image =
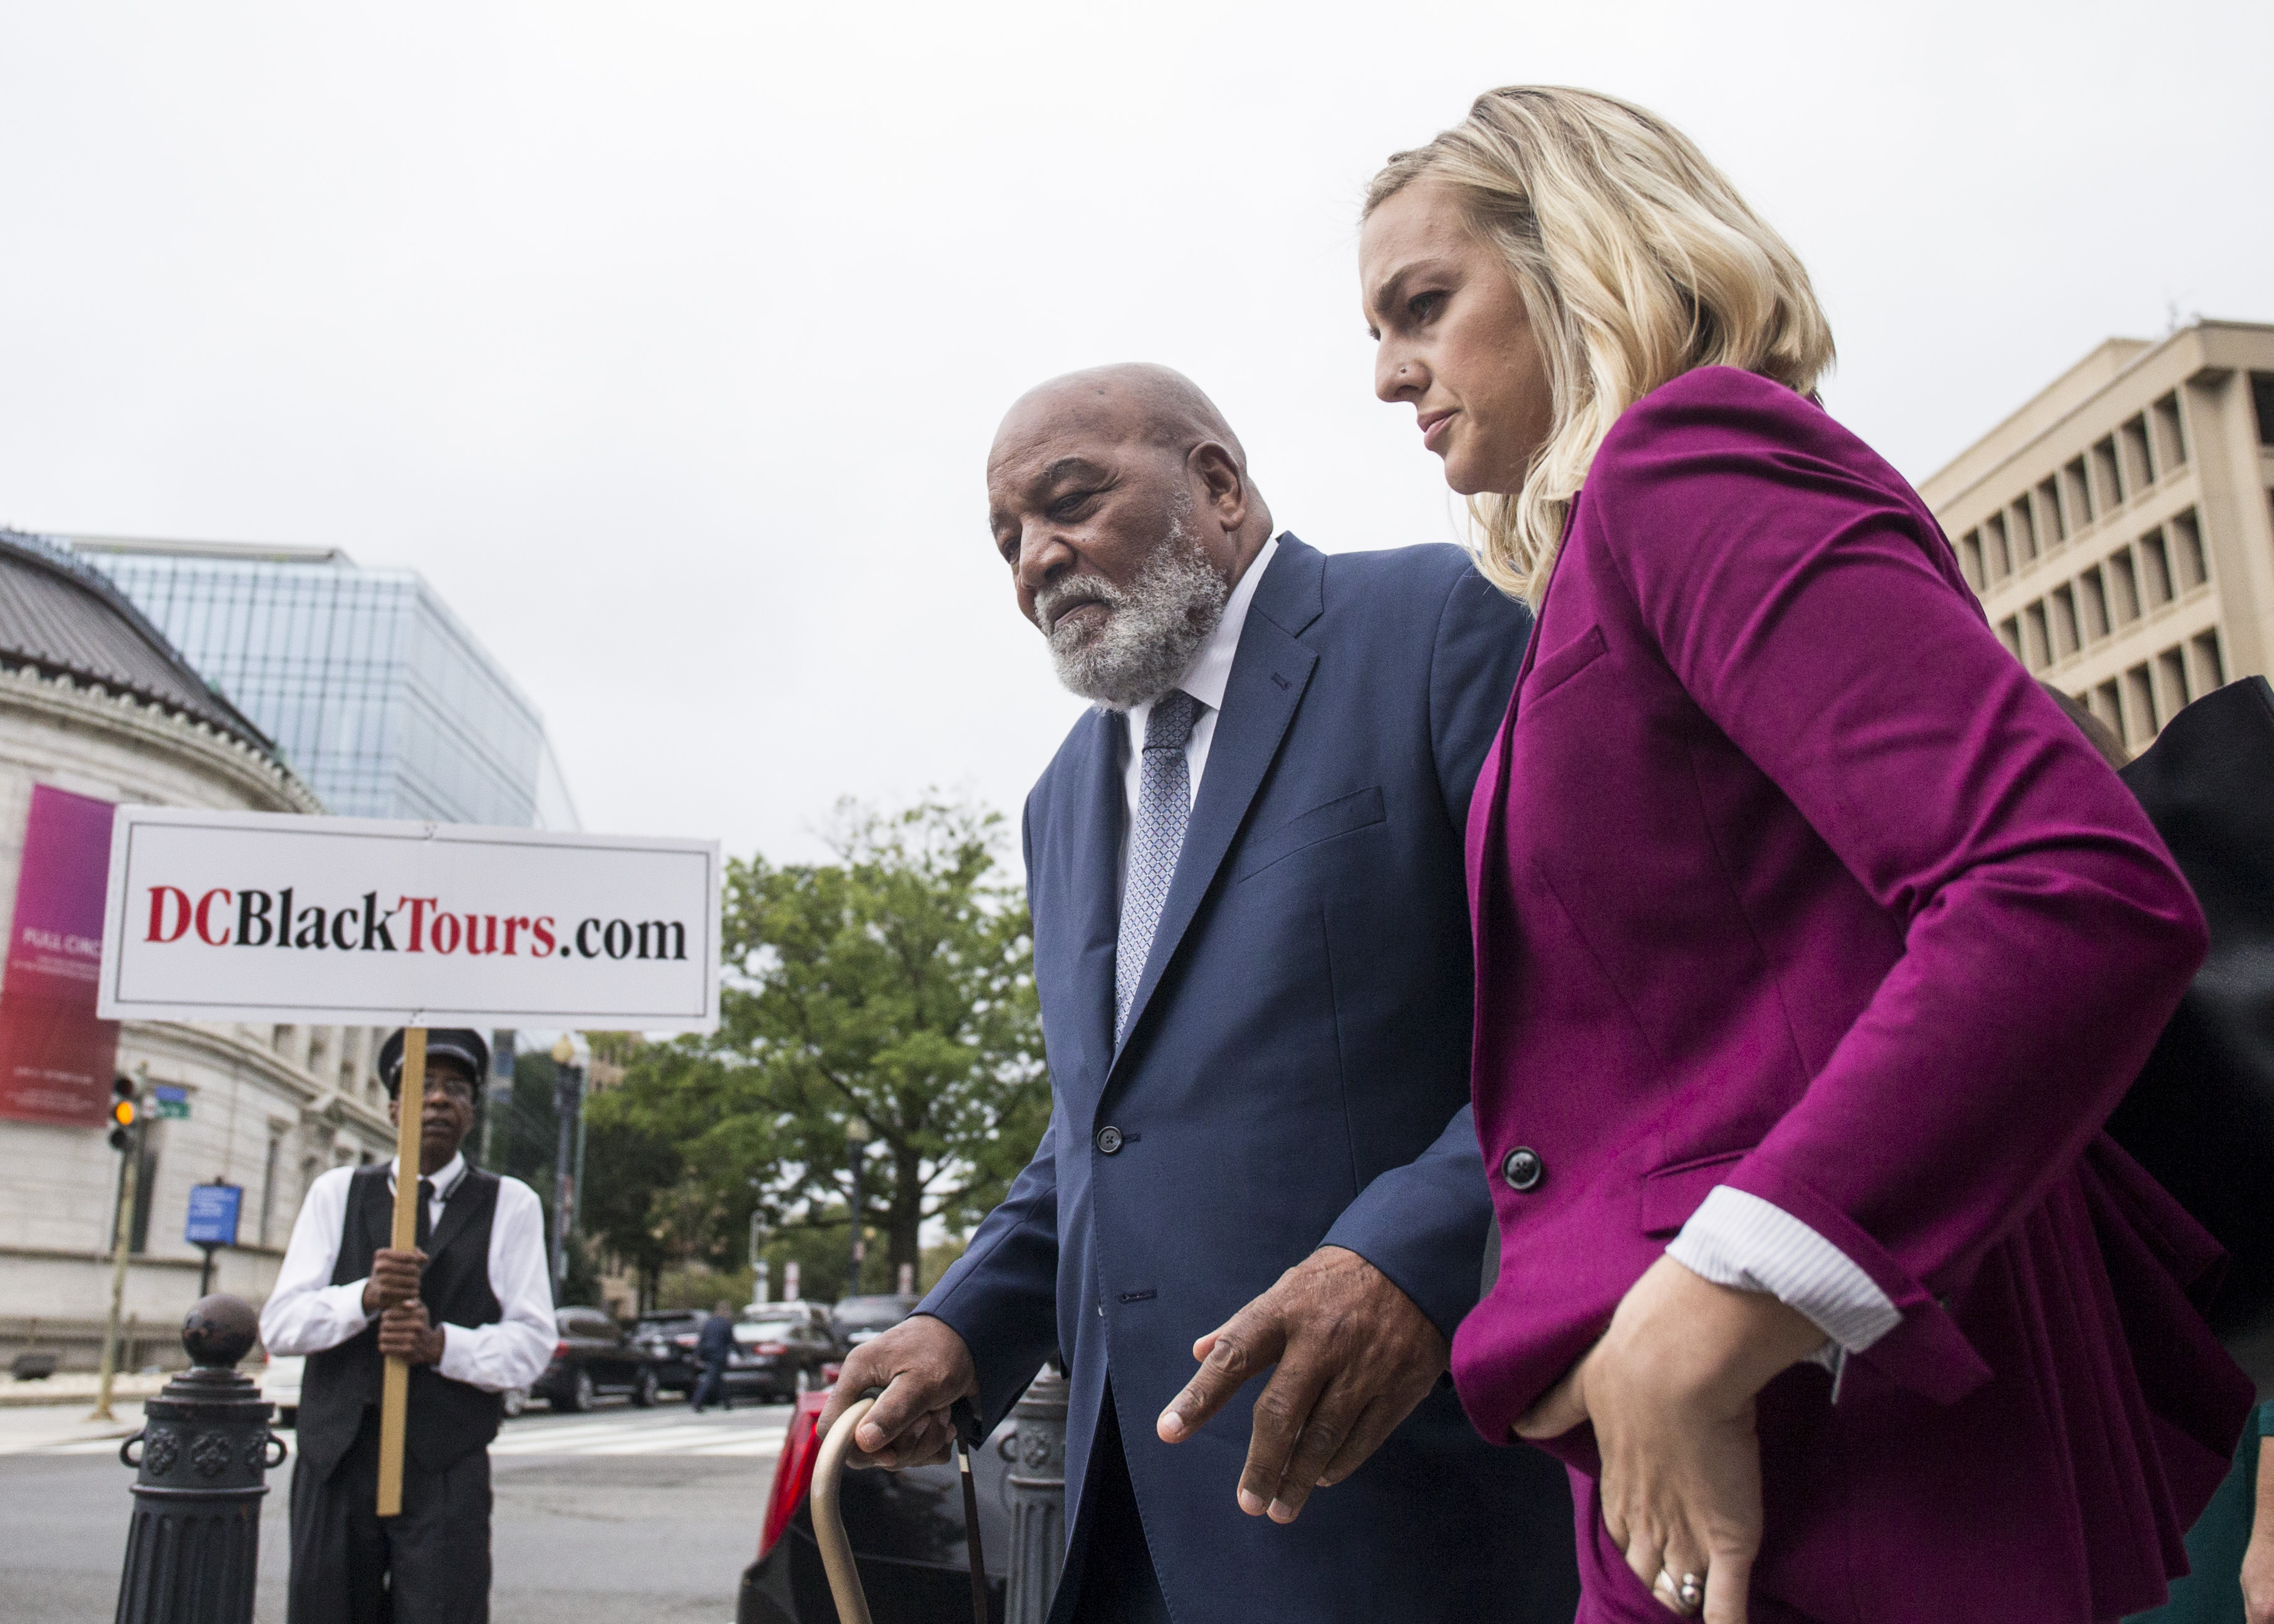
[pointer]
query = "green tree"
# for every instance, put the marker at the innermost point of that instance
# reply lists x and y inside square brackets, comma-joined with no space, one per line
[893,986]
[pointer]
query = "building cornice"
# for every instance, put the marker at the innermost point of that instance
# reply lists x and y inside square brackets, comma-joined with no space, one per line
[267,785]
[222,1046]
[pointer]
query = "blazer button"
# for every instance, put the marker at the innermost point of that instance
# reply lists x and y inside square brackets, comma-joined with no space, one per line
[1522,1168]
[1109,1141]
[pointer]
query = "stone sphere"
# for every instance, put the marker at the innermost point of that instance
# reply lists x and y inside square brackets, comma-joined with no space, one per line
[220,1330]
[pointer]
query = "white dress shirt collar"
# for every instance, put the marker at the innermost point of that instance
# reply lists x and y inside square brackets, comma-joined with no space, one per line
[444,1178]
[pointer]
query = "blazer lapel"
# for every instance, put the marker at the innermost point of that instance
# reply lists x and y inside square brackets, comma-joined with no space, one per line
[1268,676]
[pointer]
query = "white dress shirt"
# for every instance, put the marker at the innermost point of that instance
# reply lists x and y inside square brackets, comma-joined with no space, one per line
[307,1313]
[1734,1239]
[1204,680]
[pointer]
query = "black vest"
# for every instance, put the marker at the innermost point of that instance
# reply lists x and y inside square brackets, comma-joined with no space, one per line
[448,1420]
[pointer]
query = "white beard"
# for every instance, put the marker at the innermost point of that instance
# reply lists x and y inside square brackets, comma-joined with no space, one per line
[1155,628]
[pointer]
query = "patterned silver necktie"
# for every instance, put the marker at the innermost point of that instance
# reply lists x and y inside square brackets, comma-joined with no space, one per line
[1164,802]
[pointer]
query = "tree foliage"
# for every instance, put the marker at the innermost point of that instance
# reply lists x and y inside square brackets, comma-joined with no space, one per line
[893,987]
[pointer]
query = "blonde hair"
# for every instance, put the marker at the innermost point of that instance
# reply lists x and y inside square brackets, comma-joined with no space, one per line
[1637,260]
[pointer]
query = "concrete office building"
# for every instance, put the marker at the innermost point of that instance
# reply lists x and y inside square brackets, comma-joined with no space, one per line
[2120,527]
[375,693]
[95,704]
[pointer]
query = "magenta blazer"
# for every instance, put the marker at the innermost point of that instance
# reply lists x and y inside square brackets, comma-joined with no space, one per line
[1786,876]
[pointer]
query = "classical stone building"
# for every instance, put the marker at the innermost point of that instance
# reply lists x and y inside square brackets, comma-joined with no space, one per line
[95,701]
[2120,527]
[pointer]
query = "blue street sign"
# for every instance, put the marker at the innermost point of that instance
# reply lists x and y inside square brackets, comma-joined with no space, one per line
[213,1215]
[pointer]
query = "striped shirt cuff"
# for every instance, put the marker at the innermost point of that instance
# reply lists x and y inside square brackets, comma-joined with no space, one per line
[1736,1239]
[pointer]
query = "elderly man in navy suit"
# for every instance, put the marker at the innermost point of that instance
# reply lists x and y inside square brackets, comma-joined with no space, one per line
[1252,945]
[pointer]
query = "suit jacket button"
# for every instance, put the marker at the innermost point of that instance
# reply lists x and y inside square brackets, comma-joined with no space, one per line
[1522,1168]
[1109,1141]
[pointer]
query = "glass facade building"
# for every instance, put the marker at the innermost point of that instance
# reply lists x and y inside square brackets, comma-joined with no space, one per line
[377,695]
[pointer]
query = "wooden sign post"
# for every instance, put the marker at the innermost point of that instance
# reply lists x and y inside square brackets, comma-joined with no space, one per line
[412,925]
[394,1390]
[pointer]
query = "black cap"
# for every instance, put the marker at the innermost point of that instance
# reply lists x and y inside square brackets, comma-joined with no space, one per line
[467,1047]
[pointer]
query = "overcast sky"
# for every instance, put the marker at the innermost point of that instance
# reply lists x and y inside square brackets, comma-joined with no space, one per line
[666,339]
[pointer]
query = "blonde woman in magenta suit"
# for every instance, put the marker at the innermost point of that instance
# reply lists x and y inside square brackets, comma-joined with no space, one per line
[1813,945]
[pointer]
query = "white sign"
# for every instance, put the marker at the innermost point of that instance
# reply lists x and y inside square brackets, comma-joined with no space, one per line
[268,916]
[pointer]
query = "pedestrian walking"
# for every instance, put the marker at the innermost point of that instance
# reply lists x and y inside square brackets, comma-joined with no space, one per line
[714,1345]
[1814,945]
[1258,1198]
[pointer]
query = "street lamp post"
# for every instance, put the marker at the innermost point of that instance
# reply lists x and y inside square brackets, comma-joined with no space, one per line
[856,1144]
[568,1104]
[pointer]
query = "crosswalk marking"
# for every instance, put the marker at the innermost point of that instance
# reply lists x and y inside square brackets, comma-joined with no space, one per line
[636,1434]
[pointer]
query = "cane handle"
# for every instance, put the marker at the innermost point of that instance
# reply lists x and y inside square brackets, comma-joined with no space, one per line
[829,1526]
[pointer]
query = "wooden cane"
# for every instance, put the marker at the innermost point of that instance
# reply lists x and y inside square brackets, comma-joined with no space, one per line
[829,1523]
[395,1393]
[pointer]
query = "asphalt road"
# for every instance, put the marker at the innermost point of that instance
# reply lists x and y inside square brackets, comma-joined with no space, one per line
[618,1514]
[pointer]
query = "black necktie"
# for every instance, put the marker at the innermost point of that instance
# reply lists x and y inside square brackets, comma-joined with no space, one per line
[426,1212]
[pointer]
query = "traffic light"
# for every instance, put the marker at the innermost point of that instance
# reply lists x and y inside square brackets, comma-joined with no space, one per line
[122,1110]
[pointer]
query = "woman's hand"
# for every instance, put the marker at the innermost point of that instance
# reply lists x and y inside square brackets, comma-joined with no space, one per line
[1670,1389]
[2258,1557]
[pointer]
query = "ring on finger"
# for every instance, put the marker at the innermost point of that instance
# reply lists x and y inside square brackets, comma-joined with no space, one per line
[1688,1592]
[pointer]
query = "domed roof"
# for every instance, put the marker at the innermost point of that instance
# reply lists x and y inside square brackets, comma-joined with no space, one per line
[63,618]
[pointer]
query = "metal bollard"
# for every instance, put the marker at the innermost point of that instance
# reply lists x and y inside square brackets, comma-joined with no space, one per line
[1036,1451]
[193,1547]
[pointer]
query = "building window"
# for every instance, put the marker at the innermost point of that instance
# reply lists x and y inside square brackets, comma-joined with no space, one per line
[2171,681]
[2156,567]
[2187,560]
[2171,435]
[2139,462]
[2063,606]
[268,1187]
[2025,529]
[2078,489]
[1969,559]
[2107,475]
[2107,704]
[2049,509]
[2001,551]
[2209,663]
[2010,633]
[2037,651]
[2123,588]
[2261,398]
[2140,722]
[2093,605]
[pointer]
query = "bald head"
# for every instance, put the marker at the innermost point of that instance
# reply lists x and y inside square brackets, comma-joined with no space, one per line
[1135,401]
[1119,497]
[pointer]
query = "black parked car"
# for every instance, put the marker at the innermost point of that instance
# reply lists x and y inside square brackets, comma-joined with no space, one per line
[594,1357]
[906,1529]
[778,1358]
[668,1336]
[857,1318]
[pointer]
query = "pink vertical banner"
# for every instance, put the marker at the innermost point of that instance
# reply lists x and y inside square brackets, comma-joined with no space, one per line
[55,1057]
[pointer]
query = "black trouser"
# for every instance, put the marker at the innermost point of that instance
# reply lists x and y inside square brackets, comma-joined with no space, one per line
[712,1387]
[1119,1585]
[429,1566]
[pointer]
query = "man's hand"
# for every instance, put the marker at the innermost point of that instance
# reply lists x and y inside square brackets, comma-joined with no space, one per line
[923,1366]
[394,1279]
[1354,1357]
[403,1333]
[1670,1390]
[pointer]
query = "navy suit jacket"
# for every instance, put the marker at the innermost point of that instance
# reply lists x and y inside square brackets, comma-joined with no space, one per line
[1295,1073]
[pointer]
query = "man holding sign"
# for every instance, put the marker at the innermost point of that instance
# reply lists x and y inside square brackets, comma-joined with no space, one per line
[470,1310]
